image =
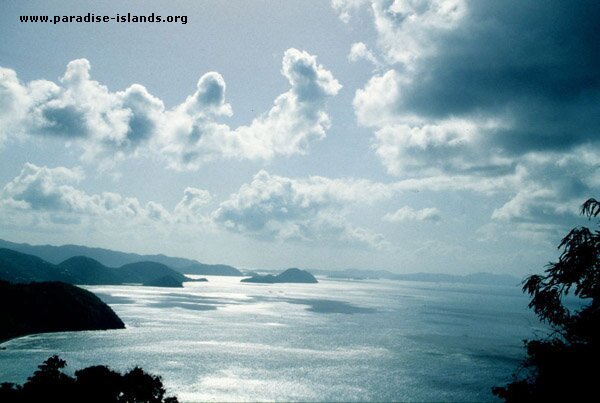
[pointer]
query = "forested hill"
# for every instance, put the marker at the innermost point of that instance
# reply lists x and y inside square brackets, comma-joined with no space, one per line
[112,258]
[51,307]
[18,267]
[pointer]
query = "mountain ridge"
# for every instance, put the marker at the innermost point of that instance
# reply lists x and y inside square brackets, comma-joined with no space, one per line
[112,258]
[17,267]
[190,266]
[293,275]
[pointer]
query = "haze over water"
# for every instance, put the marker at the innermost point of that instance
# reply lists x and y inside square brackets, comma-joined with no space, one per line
[338,340]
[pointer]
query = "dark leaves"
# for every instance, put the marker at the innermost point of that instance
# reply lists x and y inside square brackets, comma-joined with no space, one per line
[577,269]
[591,208]
[560,366]
[96,384]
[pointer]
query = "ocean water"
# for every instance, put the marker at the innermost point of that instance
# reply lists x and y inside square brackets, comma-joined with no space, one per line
[339,340]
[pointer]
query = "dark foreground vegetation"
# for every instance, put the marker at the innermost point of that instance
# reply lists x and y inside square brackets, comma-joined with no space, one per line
[97,384]
[562,367]
[51,307]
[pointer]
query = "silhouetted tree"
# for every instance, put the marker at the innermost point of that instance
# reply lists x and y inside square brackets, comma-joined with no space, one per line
[9,392]
[99,383]
[96,384]
[49,382]
[562,366]
[139,386]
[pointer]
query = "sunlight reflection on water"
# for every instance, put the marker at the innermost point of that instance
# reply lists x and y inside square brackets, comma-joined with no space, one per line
[336,340]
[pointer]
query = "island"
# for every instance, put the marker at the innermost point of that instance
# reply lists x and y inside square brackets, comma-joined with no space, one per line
[210,270]
[289,276]
[17,267]
[51,307]
[112,258]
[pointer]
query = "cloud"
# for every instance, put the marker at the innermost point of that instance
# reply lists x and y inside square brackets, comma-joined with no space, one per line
[52,191]
[345,8]
[533,75]
[309,210]
[267,198]
[551,189]
[407,213]
[488,186]
[305,210]
[41,188]
[486,91]
[296,119]
[360,51]
[408,30]
[112,125]
[191,206]
[106,124]
[48,198]
[448,147]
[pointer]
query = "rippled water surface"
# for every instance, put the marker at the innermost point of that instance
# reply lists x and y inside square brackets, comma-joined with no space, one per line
[336,340]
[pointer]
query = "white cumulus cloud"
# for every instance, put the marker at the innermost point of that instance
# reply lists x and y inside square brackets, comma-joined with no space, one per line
[307,210]
[53,191]
[360,51]
[345,8]
[112,125]
[407,213]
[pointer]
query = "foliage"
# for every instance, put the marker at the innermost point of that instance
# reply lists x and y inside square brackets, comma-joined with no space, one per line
[561,367]
[96,384]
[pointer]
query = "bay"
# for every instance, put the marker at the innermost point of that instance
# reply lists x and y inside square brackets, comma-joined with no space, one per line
[338,340]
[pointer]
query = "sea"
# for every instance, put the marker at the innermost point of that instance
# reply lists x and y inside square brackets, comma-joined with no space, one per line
[338,340]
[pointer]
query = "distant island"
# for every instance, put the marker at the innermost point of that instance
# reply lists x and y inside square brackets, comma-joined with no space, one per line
[51,307]
[18,267]
[472,278]
[289,276]
[111,258]
[210,270]
[57,255]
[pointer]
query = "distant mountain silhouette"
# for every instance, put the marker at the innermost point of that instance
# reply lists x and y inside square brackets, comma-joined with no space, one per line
[143,272]
[51,307]
[111,258]
[269,278]
[210,270]
[18,267]
[289,276]
[474,278]
[85,270]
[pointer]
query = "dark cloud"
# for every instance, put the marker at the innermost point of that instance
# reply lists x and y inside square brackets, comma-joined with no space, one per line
[503,90]
[533,63]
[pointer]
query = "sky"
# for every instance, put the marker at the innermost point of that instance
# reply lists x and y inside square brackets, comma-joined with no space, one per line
[451,136]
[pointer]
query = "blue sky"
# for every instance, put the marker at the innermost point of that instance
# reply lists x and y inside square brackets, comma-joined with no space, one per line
[419,135]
